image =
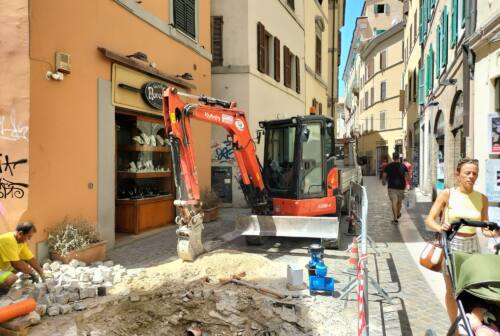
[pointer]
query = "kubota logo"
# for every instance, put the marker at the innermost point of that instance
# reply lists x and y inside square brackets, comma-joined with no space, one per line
[212,116]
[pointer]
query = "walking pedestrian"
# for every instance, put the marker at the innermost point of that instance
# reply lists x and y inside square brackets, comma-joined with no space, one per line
[454,204]
[409,167]
[395,174]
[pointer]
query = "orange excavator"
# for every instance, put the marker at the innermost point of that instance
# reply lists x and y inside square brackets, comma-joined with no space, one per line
[293,193]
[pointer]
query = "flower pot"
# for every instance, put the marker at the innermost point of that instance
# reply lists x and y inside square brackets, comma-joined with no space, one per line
[210,214]
[89,254]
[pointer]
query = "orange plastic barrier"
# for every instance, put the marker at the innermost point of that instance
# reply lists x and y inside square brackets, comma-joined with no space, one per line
[17,309]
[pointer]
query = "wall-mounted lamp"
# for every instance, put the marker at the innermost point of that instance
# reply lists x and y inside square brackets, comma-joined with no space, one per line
[448,82]
[139,55]
[186,76]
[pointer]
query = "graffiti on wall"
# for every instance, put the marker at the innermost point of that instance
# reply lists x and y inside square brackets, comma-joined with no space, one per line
[11,129]
[222,152]
[9,188]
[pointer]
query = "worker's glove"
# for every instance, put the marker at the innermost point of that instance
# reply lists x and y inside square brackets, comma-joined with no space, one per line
[34,277]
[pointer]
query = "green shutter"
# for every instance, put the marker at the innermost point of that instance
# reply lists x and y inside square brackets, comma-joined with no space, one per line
[464,13]
[431,68]
[454,23]
[426,84]
[438,51]
[424,20]
[421,72]
[444,44]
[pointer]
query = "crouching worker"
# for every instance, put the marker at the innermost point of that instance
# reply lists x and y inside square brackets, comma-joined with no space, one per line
[15,256]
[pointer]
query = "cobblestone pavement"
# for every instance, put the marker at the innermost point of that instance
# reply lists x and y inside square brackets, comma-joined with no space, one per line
[414,307]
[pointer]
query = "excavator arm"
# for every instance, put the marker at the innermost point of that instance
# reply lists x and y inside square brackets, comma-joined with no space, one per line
[177,116]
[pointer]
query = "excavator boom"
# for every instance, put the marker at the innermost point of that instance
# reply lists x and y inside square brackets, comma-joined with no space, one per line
[177,116]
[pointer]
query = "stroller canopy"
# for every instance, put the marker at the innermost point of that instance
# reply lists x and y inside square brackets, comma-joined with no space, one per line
[477,274]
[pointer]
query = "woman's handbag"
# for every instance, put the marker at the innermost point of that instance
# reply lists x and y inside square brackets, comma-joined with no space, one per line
[432,256]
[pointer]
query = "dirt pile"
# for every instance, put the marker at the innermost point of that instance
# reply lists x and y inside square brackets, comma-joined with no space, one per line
[171,298]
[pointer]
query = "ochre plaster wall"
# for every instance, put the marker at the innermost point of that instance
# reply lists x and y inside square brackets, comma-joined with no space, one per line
[14,111]
[63,145]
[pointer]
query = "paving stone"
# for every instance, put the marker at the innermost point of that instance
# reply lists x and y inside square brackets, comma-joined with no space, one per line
[66,309]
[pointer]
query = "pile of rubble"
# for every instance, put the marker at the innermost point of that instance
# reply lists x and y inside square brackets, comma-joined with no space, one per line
[68,285]
[172,298]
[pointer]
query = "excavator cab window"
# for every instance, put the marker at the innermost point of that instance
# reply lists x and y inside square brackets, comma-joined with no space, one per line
[311,179]
[280,158]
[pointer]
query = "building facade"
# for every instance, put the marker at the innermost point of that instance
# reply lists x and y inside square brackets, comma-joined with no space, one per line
[373,82]
[380,117]
[259,63]
[93,84]
[316,61]
[484,42]
[412,51]
[336,19]
[444,91]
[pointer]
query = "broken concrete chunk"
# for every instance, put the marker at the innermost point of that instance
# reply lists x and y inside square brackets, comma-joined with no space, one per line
[53,310]
[41,309]
[98,277]
[109,263]
[65,309]
[15,293]
[75,296]
[135,298]
[79,306]
[61,299]
[55,266]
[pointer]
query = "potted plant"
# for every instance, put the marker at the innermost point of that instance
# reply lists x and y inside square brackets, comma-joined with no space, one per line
[210,205]
[75,239]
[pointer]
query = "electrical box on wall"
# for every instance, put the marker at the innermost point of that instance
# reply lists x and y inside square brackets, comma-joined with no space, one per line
[63,62]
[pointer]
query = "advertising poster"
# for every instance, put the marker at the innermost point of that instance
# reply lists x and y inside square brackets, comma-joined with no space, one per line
[494,132]
[493,178]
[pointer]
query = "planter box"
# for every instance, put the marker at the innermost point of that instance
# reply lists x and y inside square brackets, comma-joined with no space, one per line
[89,254]
[210,214]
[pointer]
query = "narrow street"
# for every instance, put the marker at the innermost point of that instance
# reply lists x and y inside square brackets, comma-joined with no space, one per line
[414,307]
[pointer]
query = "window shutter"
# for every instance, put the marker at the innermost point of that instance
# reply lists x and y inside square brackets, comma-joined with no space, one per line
[464,13]
[421,27]
[261,50]
[444,44]
[217,23]
[190,17]
[454,23]
[277,55]
[297,77]
[383,60]
[387,9]
[438,51]
[375,9]
[320,108]
[431,68]
[424,20]
[180,14]
[421,72]
[383,90]
[318,55]
[372,95]
[286,67]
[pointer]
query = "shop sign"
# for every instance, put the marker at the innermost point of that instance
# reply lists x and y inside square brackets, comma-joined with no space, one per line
[493,178]
[494,133]
[152,93]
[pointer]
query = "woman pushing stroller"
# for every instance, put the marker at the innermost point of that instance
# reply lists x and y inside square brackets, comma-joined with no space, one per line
[462,202]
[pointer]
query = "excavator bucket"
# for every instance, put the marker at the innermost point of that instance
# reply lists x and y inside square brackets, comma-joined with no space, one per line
[288,226]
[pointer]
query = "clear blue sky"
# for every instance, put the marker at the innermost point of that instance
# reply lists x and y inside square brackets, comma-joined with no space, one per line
[352,11]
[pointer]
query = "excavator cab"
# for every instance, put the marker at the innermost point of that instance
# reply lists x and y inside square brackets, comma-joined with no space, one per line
[298,155]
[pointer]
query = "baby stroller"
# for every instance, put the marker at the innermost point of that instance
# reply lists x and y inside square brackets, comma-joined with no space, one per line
[475,279]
